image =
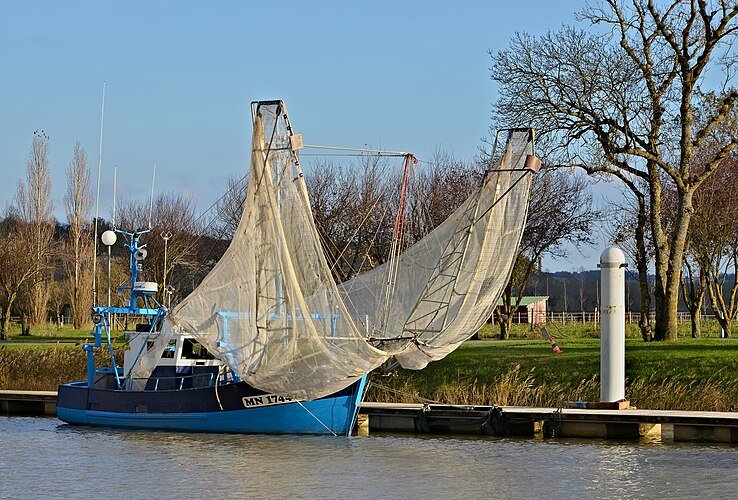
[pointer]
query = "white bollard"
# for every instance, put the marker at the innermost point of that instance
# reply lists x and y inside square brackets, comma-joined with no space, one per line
[612,325]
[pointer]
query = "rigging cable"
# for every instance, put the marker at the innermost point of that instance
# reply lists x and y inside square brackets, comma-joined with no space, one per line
[316,418]
[379,152]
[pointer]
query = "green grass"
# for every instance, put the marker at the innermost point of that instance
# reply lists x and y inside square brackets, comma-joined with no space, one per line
[691,374]
[694,374]
[50,333]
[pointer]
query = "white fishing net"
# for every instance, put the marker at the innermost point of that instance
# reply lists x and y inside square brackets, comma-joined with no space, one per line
[272,311]
[448,284]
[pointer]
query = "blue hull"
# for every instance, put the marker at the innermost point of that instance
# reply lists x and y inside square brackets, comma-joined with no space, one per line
[329,415]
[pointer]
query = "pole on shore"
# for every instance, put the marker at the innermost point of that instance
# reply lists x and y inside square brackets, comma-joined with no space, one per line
[612,330]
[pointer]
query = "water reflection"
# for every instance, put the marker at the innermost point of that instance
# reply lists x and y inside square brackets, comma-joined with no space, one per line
[44,458]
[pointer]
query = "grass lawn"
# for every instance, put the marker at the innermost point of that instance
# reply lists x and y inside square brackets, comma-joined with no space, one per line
[690,374]
[52,334]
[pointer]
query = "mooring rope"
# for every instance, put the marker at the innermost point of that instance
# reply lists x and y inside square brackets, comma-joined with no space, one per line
[415,396]
[316,418]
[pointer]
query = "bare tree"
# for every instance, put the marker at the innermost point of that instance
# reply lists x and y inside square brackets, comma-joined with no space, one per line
[77,259]
[353,210]
[623,102]
[694,287]
[35,210]
[560,213]
[629,229]
[713,243]
[173,216]
[17,267]
[229,207]
[582,289]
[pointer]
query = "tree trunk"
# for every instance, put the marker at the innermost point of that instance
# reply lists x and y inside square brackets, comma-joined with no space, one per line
[725,324]
[667,300]
[25,329]
[696,323]
[5,321]
[504,328]
[644,320]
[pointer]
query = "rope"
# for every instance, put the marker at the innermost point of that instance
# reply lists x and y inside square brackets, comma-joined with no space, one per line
[217,381]
[316,418]
[415,396]
[379,152]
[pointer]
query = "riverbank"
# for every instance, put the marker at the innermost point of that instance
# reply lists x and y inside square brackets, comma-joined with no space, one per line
[691,374]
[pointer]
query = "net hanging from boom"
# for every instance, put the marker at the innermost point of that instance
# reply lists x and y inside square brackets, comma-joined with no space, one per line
[272,311]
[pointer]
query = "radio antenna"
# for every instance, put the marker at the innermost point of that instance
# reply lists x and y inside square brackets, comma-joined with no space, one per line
[97,202]
[115,182]
[151,200]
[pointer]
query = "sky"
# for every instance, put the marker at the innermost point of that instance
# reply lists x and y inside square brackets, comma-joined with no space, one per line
[179,78]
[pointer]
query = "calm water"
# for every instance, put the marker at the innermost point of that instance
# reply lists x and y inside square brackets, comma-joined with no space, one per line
[41,457]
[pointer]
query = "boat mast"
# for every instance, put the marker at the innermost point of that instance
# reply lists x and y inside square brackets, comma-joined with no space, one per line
[97,202]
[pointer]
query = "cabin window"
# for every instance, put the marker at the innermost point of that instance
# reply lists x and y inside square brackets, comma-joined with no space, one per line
[192,349]
[168,350]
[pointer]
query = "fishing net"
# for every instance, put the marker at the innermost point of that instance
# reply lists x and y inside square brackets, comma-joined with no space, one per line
[271,310]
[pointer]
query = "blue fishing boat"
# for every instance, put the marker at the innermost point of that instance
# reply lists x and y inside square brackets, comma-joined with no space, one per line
[268,342]
[189,389]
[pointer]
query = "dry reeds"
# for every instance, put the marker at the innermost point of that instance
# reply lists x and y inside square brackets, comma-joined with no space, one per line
[517,388]
[42,369]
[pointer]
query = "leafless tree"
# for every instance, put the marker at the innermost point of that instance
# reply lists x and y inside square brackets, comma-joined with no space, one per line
[622,101]
[628,228]
[173,215]
[78,252]
[442,184]
[694,287]
[35,210]
[230,207]
[560,214]
[17,269]
[713,244]
[353,213]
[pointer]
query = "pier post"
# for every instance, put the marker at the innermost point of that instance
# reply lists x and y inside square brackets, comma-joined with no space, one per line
[612,329]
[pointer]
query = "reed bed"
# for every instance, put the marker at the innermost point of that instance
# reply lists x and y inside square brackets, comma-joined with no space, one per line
[519,388]
[43,368]
[689,375]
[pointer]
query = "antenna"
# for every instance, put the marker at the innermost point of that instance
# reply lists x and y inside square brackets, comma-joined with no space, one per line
[97,202]
[115,182]
[151,200]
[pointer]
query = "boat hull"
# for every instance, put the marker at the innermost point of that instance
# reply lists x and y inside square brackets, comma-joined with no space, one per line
[235,407]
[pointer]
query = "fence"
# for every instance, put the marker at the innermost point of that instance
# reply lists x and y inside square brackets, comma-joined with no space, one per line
[594,317]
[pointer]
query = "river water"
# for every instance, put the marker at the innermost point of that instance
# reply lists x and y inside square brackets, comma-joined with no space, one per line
[44,458]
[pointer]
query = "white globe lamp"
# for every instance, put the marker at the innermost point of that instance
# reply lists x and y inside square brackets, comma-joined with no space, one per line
[109,238]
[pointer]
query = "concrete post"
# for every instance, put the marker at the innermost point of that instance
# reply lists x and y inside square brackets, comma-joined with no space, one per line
[612,329]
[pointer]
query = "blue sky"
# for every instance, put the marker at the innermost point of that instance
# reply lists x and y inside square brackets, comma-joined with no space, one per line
[411,76]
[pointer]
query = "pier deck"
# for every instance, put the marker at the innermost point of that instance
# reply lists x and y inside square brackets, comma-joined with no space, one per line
[701,426]
[36,403]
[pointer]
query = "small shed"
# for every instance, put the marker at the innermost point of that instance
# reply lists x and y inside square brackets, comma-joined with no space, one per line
[532,309]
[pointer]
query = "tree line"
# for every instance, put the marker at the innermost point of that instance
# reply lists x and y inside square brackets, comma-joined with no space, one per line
[46,266]
[643,94]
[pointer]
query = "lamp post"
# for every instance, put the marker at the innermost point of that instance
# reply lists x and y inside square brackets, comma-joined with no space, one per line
[109,238]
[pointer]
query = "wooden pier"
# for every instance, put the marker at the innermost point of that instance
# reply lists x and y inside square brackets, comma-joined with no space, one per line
[35,403]
[701,426]
[630,424]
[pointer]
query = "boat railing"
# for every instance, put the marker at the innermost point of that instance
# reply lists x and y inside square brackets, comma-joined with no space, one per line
[180,381]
